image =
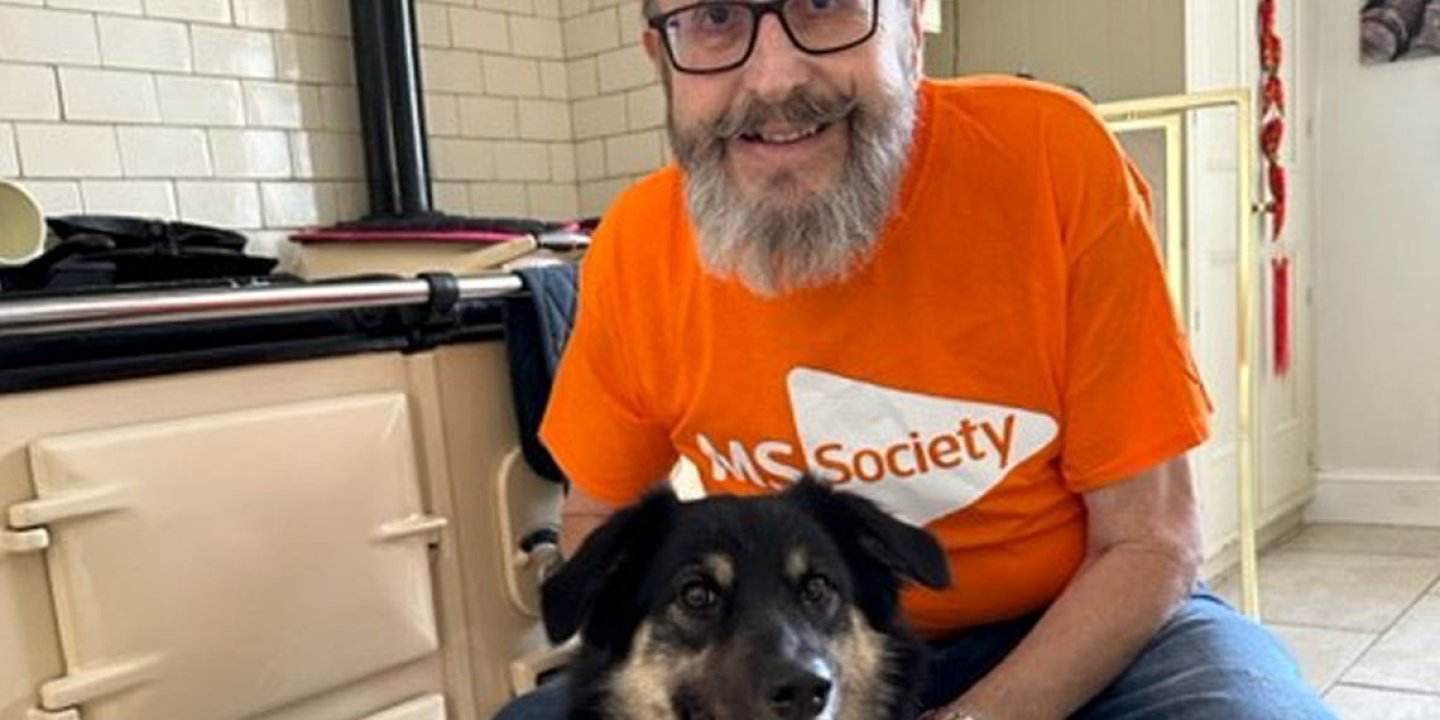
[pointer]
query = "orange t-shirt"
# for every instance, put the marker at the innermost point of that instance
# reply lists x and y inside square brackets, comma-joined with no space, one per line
[1010,345]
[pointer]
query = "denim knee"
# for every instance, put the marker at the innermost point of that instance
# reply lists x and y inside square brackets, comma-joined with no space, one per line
[547,702]
[1209,662]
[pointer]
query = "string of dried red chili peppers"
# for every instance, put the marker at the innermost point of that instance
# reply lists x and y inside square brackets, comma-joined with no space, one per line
[1272,136]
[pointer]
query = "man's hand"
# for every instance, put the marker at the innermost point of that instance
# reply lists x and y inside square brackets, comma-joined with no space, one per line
[1141,559]
[946,713]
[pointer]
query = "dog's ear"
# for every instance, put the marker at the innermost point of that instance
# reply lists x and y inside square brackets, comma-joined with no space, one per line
[568,596]
[908,551]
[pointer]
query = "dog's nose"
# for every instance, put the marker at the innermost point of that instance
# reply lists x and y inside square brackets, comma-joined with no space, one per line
[797,694]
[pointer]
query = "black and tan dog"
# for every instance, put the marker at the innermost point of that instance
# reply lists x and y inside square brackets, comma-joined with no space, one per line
[784,607]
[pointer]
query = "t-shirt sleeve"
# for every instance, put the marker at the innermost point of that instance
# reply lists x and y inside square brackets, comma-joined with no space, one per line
[1132,397]
[597,425]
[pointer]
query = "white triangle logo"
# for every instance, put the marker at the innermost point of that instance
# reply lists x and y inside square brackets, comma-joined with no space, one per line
[919,457]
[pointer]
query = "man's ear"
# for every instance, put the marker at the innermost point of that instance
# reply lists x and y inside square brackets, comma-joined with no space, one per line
[569,596]
[653,50]
[907,551]
[917,30]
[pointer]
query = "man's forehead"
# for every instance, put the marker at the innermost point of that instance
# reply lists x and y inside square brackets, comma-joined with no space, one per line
[661,6]
[656,7]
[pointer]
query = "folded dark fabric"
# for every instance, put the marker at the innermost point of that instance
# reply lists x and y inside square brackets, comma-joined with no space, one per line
[104,250]
[159,235]
[537,326]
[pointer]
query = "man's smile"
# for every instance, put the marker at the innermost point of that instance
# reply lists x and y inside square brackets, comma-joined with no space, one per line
[817,150]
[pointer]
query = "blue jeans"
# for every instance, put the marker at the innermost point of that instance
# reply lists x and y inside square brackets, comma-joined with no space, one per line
[1206,663]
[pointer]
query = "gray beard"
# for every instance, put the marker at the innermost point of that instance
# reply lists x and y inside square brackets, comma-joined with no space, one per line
[788,239]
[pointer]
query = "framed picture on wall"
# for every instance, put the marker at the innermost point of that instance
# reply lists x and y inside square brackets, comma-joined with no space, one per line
[1394,30]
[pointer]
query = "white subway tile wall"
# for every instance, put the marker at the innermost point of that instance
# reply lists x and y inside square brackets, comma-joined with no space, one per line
[479,30]
[48,36]
[225,204]
[216,11]
[617,103]
[31,93]
[292,15]
[590,160]
[487,117]
[250,153]
[537,37]
[281,105]
[504,199]
[233,52]
[522,161]
[512,77]
[9,161]
[162,152]
[73,150]
[197,101]
[109,96]
[243,113]
[553,80]
[132,7]
[452,197]
[56,196]
[295,204]
[143,44]
[129,197]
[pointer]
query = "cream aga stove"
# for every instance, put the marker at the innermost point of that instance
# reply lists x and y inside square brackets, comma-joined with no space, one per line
[298,516]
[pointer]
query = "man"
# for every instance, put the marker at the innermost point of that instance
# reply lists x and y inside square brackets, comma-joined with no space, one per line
[945,297]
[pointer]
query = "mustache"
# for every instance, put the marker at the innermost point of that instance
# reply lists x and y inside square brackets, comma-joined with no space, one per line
[801,107]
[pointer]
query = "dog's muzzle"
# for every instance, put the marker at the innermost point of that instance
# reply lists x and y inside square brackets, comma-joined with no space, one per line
[774,686]
[797,691]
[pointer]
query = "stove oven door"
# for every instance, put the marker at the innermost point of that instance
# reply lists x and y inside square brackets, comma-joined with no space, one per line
[220,566]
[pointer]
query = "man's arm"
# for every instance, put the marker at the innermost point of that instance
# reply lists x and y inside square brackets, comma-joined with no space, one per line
[581,514]
[1141,560]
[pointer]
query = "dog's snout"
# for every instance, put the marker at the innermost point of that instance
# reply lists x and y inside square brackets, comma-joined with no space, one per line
[798,693]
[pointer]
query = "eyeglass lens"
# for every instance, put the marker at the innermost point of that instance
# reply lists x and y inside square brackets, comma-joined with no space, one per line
[714,35]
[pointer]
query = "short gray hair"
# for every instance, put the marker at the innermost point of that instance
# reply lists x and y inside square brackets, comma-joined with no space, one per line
[650,8]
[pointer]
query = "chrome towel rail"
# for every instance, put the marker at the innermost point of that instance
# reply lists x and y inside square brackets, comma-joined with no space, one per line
[30,316]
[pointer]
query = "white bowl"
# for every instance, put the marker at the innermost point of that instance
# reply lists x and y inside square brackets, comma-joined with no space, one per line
[22,225]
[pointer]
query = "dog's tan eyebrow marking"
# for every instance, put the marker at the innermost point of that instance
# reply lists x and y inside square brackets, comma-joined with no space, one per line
[721,567]
[797,563]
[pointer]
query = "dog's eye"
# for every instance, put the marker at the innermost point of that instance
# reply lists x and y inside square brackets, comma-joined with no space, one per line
[816,590]
[698,596]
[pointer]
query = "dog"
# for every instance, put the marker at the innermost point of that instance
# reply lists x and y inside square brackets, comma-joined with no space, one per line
[782,607]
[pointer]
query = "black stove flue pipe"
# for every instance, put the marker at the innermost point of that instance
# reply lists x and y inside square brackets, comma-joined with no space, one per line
[392,109]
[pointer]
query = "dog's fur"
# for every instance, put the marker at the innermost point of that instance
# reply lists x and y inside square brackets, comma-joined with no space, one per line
[784,607]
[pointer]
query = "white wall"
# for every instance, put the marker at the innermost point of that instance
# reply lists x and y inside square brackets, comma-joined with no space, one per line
[233,113]
[242,113]
[497,105]
[1114,49]
[559,93]
[1378,282]
[617,101]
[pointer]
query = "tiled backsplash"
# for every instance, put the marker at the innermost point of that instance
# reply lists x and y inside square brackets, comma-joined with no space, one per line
[617,104]
[242,113]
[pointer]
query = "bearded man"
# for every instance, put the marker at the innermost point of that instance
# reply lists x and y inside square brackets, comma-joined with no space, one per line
[945,297]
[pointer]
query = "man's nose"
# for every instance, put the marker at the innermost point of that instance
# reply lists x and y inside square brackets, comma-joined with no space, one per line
[776,66]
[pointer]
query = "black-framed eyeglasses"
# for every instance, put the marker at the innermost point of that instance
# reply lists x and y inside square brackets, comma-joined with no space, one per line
[718,35]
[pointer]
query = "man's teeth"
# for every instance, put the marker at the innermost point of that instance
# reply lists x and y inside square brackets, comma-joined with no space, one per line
[788,137]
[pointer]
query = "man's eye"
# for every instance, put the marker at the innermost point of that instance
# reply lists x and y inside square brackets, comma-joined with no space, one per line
[698,596]
[716,15]
[822,4]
